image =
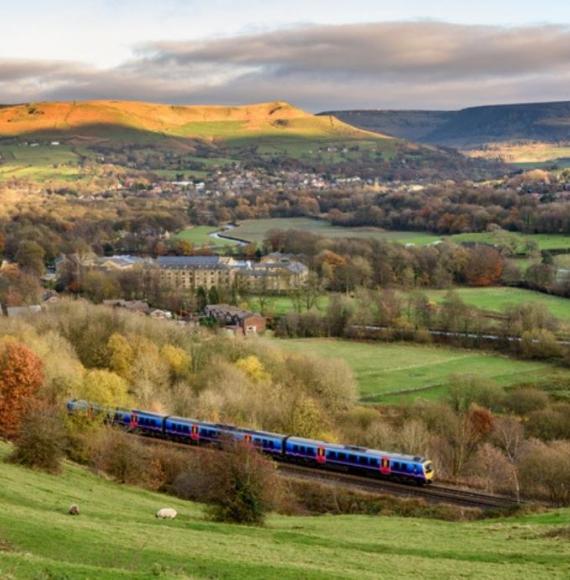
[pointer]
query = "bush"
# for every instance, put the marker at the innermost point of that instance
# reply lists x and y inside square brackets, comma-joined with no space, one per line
[468,389]
[540,344]
[128,460]
[41,441]
[545,471]
[122,456]
[311,498]
[551,423]
[524,401]
[239,484]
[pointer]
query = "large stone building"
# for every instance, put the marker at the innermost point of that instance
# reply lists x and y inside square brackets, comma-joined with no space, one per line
[193,272]
[274,274]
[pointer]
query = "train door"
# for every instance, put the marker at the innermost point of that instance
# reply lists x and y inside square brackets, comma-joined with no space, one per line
[385,466]
[195,433]
[321,455]
[247,439]
[134,422]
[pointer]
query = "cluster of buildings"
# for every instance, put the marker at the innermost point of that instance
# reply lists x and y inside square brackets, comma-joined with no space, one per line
[276,273]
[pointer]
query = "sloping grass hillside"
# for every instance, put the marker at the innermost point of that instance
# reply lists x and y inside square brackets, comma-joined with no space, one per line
[117,536]
[199,122]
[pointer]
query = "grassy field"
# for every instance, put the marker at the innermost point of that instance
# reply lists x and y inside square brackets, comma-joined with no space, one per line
[200,235]
[493,299]
[117,536]
[544,241]
[256,230]
[280,305]
[38,163]
[496,299]
[391,372]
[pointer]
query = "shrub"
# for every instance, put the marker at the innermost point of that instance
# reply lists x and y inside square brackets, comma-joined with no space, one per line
[308,497]
[550,423]
[524,401]
[239,484]
[545,471]
[122,456]
[128,460]
[468,389]
[41,442]
[540,344]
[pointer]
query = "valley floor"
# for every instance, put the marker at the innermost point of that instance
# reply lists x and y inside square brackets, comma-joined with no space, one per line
[117,536]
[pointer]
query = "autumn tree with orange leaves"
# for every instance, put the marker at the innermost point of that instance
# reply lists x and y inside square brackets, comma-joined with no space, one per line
[484,266]
[21,375]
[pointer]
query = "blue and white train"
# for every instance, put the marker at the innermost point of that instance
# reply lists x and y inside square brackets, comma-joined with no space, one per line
[336,457]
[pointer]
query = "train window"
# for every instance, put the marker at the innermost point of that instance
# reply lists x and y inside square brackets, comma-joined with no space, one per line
[295,448]
[363,460]
[311,452]
[342,456]
[332,455]
[352,458]
[374,462]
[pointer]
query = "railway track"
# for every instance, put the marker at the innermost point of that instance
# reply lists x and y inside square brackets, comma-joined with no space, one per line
[434,493]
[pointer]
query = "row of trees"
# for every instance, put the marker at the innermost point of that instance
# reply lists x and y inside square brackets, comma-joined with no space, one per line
[442,207]
[527,330]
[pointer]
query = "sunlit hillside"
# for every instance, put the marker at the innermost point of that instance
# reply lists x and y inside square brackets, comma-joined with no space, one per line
[201,122]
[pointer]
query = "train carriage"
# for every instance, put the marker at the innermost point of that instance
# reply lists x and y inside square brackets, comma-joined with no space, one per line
[371,462]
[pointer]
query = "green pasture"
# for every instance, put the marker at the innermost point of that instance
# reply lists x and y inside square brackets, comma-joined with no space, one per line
[392,372]
[117,537]
[498,298]
[200,236]
[256,231]
[38,163]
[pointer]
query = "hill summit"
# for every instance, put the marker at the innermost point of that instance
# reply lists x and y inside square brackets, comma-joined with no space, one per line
[107,118]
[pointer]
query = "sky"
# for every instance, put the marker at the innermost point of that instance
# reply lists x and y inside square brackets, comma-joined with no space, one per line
[317,54]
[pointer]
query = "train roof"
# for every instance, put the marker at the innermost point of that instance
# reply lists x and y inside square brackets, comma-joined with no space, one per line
[356,449]
[228,427]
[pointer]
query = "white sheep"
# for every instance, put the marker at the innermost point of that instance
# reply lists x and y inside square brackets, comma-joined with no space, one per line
[166,513]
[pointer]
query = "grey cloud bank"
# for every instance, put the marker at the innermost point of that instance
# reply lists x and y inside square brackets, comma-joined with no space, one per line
[375,65]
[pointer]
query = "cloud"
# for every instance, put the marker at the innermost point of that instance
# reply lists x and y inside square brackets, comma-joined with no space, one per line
[380,65]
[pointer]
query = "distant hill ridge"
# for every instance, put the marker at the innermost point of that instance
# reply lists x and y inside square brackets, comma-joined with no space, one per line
[97,118]
[471,127]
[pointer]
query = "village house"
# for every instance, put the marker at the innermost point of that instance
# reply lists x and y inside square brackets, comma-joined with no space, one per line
[239,322]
